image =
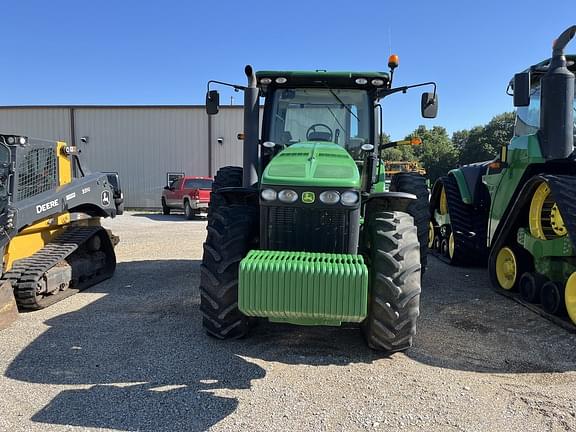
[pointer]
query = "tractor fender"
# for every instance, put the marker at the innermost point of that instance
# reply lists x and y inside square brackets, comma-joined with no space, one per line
[389,201]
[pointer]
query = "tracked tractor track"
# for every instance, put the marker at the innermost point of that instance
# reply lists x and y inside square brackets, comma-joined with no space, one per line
[468,225]
[562,190]
[26,274]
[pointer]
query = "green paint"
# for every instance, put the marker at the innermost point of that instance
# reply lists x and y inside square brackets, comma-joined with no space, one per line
[462,186]
[559,247]
[555,268]
[313,76]
[523,151]
[303,287]
[313,164]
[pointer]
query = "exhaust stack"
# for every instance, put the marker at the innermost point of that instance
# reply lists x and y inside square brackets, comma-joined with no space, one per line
[251,129]
[556,112]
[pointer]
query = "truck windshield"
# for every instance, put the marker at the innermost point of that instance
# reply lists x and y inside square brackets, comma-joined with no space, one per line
[341,116]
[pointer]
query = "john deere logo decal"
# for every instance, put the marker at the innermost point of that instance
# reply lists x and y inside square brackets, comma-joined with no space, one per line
[308,197]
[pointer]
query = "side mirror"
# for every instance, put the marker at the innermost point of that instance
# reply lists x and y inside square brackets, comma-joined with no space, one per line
[522,89]
[212,102]
[429,105]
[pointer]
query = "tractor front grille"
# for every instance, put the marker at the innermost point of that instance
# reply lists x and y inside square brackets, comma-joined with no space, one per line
[309,229]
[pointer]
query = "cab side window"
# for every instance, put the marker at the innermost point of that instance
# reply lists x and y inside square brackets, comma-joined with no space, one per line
[528,118]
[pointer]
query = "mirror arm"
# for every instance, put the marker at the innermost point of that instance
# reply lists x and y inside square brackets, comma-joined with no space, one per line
[236,87]
[387,92]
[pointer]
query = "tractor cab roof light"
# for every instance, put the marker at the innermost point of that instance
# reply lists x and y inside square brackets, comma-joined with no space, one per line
[361,81]
[281,80]
[377,82]
[265,81]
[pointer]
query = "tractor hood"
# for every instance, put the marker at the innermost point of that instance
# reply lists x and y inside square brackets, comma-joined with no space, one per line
[313,164]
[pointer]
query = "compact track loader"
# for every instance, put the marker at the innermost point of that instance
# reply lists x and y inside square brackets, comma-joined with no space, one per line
[518,212]
[50,234]
[306,232]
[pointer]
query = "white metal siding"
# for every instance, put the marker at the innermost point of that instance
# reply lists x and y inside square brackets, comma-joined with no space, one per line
[142,145]
[44,123]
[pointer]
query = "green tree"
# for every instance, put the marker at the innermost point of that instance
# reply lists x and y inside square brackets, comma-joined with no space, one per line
[400,153]
[437,153]
[484,142]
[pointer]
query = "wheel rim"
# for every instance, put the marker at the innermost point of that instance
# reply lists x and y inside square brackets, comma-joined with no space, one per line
[443,202]
[506,268]
[570,297]
[451,245]
[545,220]
[430,235]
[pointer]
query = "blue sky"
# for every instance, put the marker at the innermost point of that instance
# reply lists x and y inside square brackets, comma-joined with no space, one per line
[163,52]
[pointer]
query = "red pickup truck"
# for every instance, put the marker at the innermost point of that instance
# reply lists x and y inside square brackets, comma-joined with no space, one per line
[191,194]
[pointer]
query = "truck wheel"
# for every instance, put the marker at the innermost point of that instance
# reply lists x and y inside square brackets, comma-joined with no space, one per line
[232,232]
[394,297]
[165,208]
[189,213]
[228,176]
[415,183]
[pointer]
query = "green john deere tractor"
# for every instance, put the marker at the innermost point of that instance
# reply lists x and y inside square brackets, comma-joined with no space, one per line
[304,232]
[518,212]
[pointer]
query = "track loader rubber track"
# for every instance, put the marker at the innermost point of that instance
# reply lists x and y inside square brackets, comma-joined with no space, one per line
[468,226]
[26,274]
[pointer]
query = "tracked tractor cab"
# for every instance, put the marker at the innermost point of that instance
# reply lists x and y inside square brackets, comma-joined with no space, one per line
[304,232]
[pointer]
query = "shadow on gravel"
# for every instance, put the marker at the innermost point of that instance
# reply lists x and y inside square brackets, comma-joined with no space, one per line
[168,218]
[464,325]
[140,360]
[137,356]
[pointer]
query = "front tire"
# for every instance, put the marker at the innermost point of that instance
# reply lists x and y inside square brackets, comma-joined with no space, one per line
[232,232]
[394,298]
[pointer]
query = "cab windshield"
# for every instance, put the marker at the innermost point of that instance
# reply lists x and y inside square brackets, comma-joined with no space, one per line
[341,116]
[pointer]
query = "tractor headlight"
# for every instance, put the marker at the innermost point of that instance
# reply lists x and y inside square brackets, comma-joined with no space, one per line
[330,197]
[287,196]
[349,198]
[268,194]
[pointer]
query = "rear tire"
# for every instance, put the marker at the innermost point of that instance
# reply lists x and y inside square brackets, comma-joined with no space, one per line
[189,213]
[394,297]
[228,176]
[232,232]
[415,183]
[165,208]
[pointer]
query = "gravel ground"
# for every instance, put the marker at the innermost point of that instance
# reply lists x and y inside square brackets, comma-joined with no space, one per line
[130,354]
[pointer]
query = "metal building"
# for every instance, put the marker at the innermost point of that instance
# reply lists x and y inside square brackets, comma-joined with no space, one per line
[141,143]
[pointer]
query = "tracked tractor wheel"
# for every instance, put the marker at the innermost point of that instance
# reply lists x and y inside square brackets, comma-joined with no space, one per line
[552,298]
[394,298]
[165,208]
[530,285]
[232,232]
[415,183]
[570,297]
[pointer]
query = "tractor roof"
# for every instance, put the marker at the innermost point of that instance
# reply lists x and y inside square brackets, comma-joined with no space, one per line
[321,78]
[539,69]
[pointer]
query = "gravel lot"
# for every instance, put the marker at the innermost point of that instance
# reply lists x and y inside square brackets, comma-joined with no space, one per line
[130,354]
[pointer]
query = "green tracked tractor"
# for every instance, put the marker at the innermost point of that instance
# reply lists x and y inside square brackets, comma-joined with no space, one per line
[518,212]
[305,232]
